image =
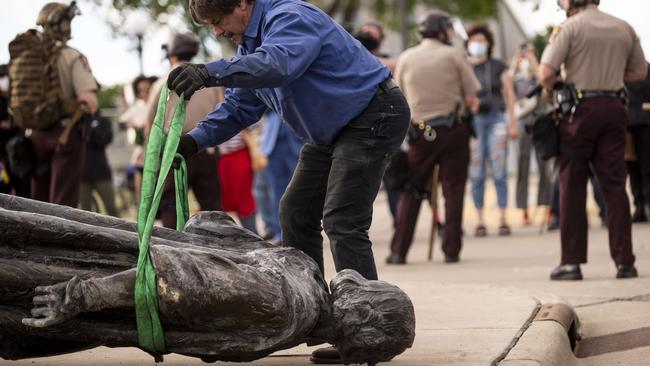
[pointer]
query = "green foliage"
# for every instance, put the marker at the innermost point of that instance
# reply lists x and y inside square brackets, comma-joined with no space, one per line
[344,11]
[159,10]
[108,95]
[467,9]
[541,40]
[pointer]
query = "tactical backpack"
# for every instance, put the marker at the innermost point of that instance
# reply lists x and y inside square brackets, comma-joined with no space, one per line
[35,95]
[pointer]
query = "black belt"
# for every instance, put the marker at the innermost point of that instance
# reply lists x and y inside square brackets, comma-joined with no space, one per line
[386,86]
[584,94]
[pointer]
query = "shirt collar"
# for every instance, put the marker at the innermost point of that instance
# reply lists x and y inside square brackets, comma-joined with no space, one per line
[259,6]
[431,42]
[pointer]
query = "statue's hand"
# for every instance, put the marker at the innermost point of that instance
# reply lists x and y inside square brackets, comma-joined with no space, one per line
[55,304]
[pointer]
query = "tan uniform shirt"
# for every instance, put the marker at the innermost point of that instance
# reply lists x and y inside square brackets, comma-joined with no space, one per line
[202,102]
[435,78]
[75,74]
[596,50]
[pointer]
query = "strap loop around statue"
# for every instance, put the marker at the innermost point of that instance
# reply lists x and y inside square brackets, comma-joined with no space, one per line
[160,154]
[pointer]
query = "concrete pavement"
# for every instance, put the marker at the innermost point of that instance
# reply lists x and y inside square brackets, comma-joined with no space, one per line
[480,311]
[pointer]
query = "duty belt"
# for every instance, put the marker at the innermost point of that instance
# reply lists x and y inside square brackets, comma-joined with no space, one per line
[585,94]
[428,127]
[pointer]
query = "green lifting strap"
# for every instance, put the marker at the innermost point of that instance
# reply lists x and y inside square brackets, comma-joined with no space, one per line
[150,332]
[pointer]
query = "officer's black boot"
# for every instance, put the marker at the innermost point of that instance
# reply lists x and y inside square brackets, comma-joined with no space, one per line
[566,272]
[639,215]
[626,271]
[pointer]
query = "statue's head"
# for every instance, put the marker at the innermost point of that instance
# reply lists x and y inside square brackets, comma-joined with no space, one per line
[374,320]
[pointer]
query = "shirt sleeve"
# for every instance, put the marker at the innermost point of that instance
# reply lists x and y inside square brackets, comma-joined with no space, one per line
[636,61]
[558,47]
[291,42]
[469,82]
[240,109]
[82,77]
[399,73]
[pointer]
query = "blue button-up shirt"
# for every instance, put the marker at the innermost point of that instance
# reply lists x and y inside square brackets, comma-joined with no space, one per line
[298,62]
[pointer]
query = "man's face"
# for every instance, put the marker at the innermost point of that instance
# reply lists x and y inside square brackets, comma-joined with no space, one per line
[143,89]
[233,25]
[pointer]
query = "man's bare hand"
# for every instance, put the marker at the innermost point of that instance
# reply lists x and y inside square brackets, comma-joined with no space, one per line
[90,98]
[54,304]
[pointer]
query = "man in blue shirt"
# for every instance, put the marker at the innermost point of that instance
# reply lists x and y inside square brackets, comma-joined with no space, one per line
[294,59]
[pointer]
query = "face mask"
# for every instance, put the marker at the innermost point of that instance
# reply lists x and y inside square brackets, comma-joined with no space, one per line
[477,49]
[368,41]
[4,84]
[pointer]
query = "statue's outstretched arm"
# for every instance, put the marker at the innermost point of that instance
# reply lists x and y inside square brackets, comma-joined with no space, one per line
[63,301]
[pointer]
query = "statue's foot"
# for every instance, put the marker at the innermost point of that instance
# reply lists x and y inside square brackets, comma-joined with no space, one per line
[326,355]
[54,304]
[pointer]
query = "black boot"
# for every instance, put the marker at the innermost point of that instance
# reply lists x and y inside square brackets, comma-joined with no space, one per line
[566,272]
[626,271]
[395,258]
[639,216]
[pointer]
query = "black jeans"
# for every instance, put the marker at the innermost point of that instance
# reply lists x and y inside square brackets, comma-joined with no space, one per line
[338,184]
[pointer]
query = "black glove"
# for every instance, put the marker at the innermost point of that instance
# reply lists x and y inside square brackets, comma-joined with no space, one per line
[186,147]
[188,78]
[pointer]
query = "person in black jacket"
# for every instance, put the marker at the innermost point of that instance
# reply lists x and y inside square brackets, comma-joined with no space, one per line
[10,181]
[97,173]
[639,128]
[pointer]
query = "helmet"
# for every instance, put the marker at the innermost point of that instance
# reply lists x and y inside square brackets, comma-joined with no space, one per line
[53,13]
[186,44]
[55,19]
[434,22]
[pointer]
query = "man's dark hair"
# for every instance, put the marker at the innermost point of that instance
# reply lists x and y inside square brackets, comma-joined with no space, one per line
[434,23]
[484,29]
[206,11]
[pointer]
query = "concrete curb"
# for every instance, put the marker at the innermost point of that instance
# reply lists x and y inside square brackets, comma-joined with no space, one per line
[547,340]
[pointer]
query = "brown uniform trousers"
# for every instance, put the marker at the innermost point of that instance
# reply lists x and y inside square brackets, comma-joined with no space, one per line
[58,184]
[202,178]
[598,132]
[450,149]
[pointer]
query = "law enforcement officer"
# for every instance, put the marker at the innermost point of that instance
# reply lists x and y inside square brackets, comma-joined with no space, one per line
[597,52]
[60,183]
[439,84]
[10,181]
[202,174]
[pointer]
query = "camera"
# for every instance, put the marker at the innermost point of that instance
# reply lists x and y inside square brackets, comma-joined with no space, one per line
[523,49]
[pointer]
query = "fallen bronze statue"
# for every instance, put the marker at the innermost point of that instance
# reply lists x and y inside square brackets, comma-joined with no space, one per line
[67,284]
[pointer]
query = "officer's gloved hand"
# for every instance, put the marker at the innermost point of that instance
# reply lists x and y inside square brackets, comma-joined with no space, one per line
[188,78]
[186,147]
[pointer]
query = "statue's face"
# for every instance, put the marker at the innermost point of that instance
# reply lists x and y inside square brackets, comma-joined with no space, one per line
[374,320]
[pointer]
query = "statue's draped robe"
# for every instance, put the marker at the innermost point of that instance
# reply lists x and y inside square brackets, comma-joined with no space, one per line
[223,293]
